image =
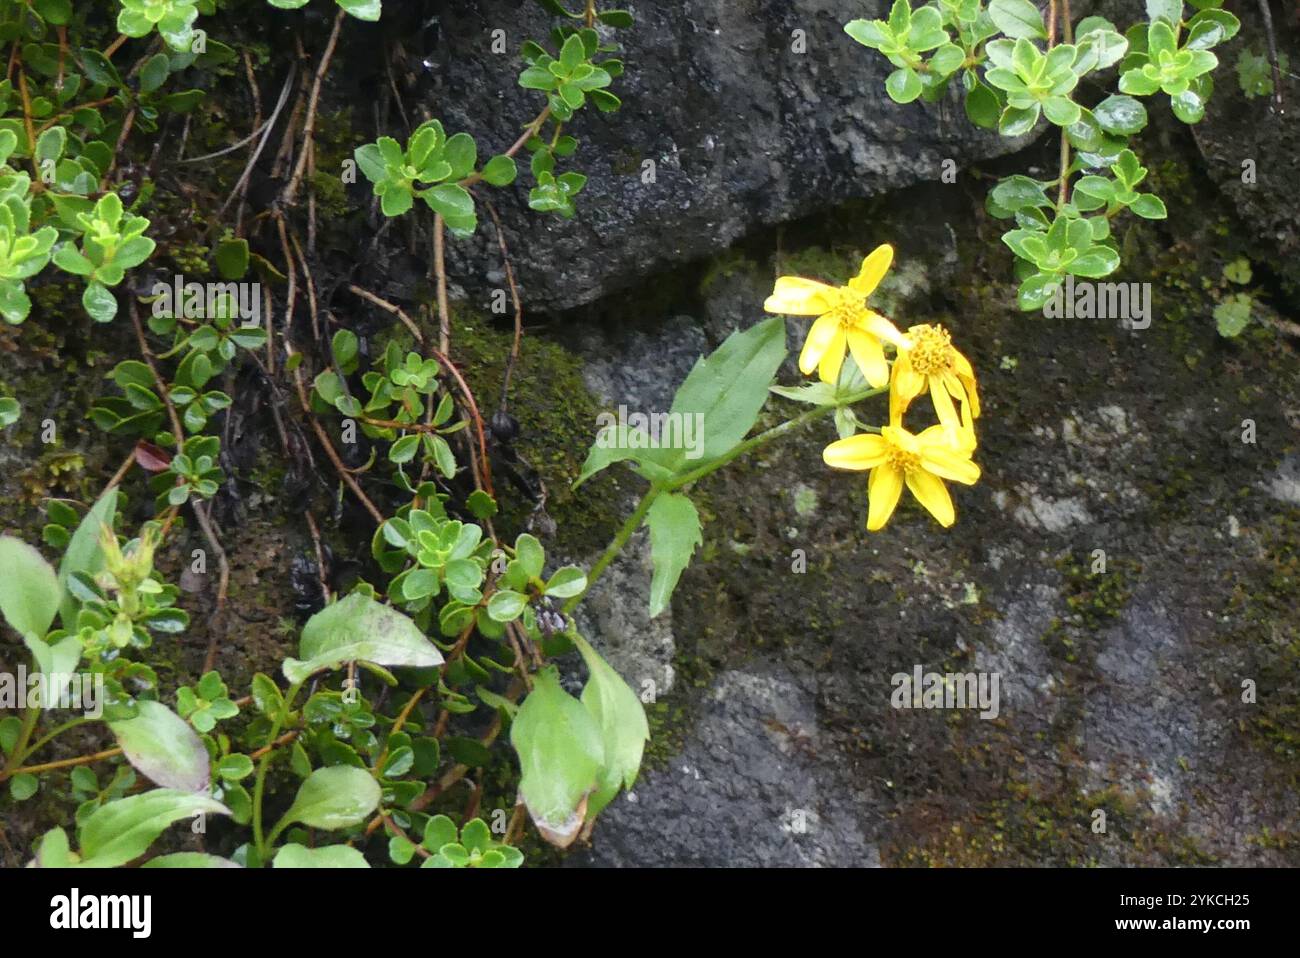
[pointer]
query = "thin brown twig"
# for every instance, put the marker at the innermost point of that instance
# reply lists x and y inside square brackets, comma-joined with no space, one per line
[309,128]
[389,307]
[513,358]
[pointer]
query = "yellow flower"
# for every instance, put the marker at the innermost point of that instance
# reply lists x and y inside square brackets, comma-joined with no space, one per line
[843,320]
[929,361]
[896,457]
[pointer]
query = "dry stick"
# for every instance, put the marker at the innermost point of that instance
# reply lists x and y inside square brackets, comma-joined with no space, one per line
[1267,14]
[320,556]
[309,283]
[242,182]
[390,307]
[327,445]
[67,762]
[440,274]
[205,522]
[115,45]
[518,304]
[289,297]
[309,129]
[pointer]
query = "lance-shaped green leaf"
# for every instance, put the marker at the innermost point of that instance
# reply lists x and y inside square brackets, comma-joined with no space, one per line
[674,534]
[337,797]
[728,389]
[163,748]
[622,722]
[359,628]
[84,553]
[122,830]
[561,758]
[29,588]
[331,856]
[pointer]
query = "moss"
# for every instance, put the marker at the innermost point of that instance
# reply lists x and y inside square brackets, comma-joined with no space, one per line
[557,423]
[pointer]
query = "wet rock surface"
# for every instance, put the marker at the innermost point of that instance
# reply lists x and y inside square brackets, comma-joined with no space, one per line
[748,113]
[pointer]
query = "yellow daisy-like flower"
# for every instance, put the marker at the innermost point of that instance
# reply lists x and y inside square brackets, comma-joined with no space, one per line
[843,320]
[896,457]
[929,361]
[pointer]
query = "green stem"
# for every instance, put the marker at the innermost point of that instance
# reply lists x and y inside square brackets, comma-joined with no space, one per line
[260,786]
[616,544]
[45,740]
[30,718]
[656,489]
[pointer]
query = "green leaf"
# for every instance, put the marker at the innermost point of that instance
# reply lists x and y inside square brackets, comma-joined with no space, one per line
[337,797]
[500,170]
[729,387]
[23,786]
[561,755]
[1171,11]
[1018,18]
[359,628]
[232,258]
[903,85]
[154,72]
[567,582]
[1149,207]
[99,302]
[84,553]
[1120,115]
[189,860]
[163,748]
[982,106]
[50,144]
[622,722]
[506,605]
[331,856]
[119,831]
[363,9]
[404,449]
[531,555]
[29,588]
[674,534]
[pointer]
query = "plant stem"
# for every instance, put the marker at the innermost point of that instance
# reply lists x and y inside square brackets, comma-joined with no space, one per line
[656,489]
[616,544]
[30,718]
[260,786]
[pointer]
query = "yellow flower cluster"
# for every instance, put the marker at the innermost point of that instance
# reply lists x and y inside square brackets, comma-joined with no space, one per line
[924,360]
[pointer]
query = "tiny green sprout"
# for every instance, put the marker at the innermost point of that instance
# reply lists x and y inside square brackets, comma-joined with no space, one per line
[174,20]
[206,703]
[193,472]
[471,847]
[431,168]
[572,77]
[1181,73]
[23,252]
[110,246]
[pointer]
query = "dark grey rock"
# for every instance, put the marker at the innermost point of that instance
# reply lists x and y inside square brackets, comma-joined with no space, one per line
[742,131]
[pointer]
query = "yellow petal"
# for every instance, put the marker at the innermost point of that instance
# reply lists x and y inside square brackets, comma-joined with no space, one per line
[882,328]
[943,406]
[907,382]
[933,494]
[960,440]
[863,451]
[873,270]
[870,357]
[819,338]
[796,296]
[883,489]
[833,358]
[949,464]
